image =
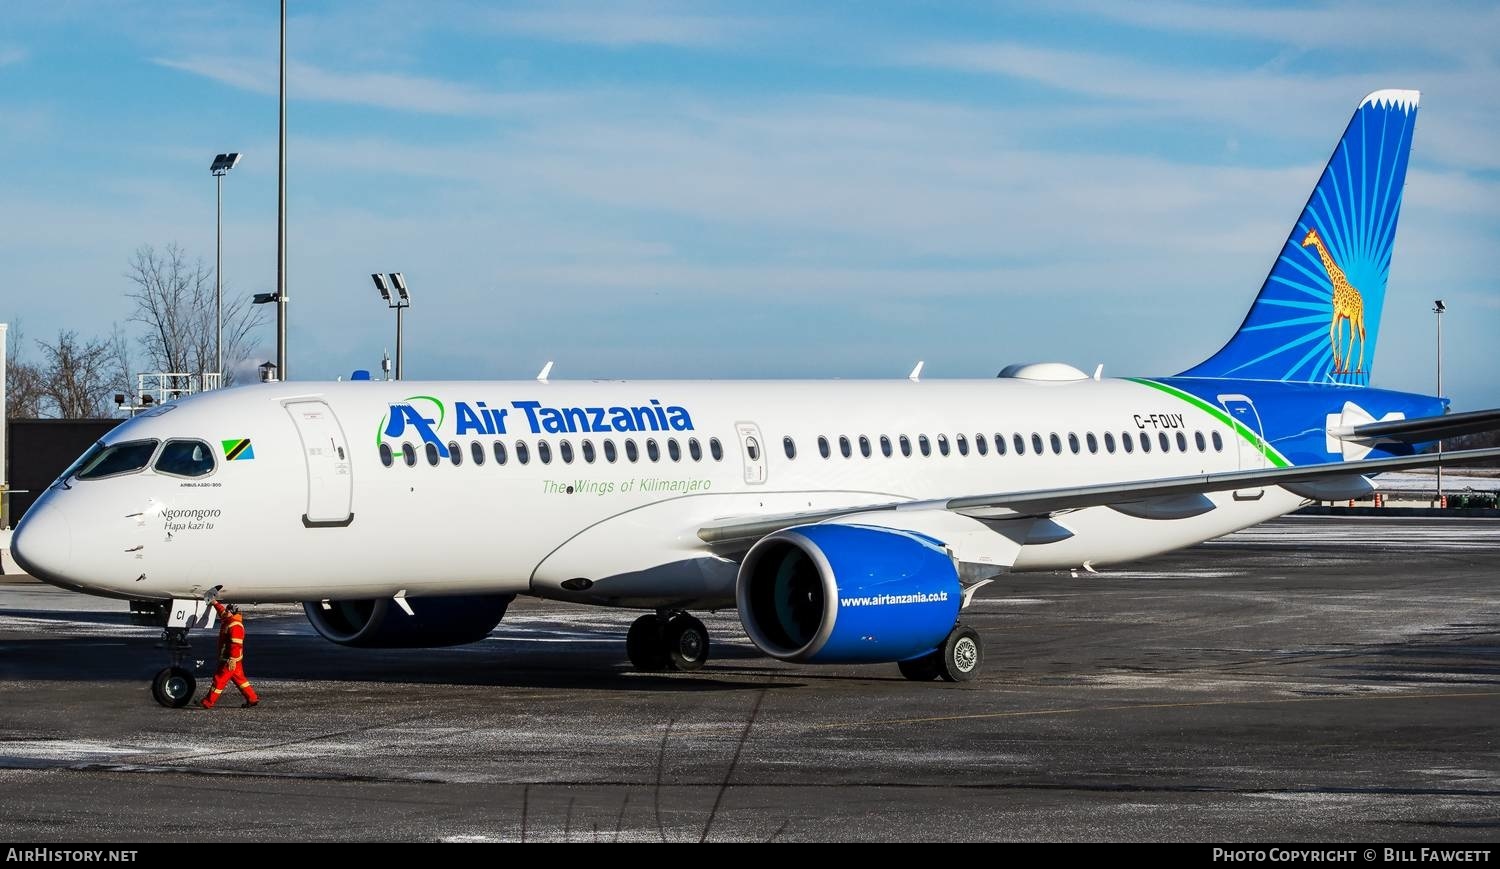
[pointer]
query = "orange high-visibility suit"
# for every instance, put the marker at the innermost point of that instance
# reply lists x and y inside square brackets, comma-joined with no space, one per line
[231,658]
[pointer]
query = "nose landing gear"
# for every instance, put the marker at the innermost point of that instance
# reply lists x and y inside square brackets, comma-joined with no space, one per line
[174,686]
[667,640]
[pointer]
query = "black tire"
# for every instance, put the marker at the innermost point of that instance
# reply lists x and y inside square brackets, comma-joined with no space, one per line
[685,643]
[923,669]
[644,645]
[173,687]
[961,655]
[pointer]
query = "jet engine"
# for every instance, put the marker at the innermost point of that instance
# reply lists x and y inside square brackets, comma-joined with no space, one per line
[834,593]
[382,624]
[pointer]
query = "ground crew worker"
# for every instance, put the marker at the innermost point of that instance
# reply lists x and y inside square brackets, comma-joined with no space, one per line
[231,658]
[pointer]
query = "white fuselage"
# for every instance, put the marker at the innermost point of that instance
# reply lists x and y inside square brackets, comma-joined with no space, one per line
[316,513]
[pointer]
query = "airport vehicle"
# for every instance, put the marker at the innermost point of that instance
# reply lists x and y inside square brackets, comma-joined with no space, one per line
[846,521]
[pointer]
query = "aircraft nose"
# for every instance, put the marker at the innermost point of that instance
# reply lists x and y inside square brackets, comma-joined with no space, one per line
[43,544]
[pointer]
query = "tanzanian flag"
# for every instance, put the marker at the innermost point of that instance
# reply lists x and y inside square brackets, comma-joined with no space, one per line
[236,449]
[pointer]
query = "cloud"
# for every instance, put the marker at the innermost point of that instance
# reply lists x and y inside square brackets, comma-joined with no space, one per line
[616,25]
[1454,30]
[398,92]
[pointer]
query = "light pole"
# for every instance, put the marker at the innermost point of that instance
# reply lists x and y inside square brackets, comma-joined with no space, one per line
[400,304]
[221,166]
[1438,308]
[281,213]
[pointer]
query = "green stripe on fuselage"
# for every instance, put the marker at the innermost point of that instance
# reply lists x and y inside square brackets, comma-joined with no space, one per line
[1253,438]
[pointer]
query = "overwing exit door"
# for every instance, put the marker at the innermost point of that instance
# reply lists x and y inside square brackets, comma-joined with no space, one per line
[753,451]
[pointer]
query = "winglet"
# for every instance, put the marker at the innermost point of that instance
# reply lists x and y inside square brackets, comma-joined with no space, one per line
[1099,372]
[546,370]
[916,373]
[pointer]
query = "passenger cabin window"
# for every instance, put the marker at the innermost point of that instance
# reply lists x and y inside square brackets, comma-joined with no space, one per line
[905,445]
[924,445]
[610,453]
[1036,443]
[185,459]
[885,446]
[476,450]
[653,452]
[942,440]
[1109,442]
[523,454]
[111,461]
[844,447]
[455,453]
[999,444]
[632,452]
[1127,441]
[1182,442]
[1073,443]
[1198,440]
[982,444]
[409,455]
[962,443]
[499,453]
[864,446]
[544,452]
[695,449]
[1145,442]
[432,454]
[674,450]
[1056,443]
[716,449]
[1164,441]
[823,446]
[1218,443]
[790,446]
[588,451]
[1019,443]
[565,450]
[386,457]
[1092,441]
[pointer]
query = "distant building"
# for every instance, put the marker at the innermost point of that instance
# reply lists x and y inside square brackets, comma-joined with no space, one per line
[37,451]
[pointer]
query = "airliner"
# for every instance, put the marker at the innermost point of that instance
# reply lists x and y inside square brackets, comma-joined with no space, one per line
[845,521]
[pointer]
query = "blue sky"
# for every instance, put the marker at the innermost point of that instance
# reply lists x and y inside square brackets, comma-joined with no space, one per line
[759,189]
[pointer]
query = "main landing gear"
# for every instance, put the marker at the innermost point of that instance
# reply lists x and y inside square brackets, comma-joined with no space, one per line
[956,660]
[174,685]
[667,640]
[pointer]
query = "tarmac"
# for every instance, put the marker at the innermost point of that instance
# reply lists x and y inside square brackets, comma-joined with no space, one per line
[1317,678]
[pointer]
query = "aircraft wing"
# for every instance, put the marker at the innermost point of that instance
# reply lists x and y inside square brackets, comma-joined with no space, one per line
[1141,493]
[1426,428]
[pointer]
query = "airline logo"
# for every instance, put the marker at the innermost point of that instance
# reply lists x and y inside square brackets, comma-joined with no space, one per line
[426,416]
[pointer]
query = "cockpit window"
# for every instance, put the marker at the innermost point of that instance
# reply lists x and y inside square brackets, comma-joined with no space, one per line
[125,458]
[185,459]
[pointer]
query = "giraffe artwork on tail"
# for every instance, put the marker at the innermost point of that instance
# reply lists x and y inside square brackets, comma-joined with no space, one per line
[1348,305]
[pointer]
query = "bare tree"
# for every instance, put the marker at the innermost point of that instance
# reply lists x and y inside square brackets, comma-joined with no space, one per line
[80,378]
[23,381]
[174,302]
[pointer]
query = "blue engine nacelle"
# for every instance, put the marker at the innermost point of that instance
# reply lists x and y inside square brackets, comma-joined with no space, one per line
[829,594]
[381,624]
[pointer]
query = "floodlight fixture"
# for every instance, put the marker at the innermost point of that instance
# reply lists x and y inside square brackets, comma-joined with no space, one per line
[385,291]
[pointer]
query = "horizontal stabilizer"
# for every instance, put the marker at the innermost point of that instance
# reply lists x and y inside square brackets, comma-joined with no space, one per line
[1427,428]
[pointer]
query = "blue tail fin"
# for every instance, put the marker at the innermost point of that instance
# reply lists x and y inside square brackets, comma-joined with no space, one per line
[1318,313]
